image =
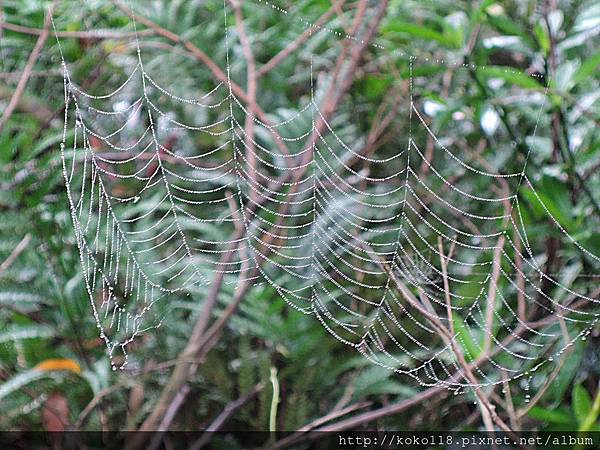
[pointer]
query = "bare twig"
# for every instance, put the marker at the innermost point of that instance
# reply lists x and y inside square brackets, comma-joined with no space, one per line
[521,303]
[444,264]
[285,442]
[434,391]
[174,37]
[490,305]
[169,416]
[33,57]
[488,413]
[430,146]
[251,86]
[416,400]
[229,409]
[509,405]
[22,245]
[295,44]
[497,259]
[95,401]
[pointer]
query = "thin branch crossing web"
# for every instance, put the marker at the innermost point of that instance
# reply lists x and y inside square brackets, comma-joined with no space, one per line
[424,266]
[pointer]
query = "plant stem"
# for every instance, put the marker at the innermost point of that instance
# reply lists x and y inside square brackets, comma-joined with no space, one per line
[590,420]
[274,401]
[592,416]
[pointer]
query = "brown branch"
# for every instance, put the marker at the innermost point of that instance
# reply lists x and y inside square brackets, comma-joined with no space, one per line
[95,401]
[184,368]
[251,87]
[417,400]
[521,303]
[430,146]
[509,405]
[444,264]
[497,259]
[229,409]
[174,37]
[490,305]
[33,57]
[344,74]
[287,441]
[295,44]
[169,416]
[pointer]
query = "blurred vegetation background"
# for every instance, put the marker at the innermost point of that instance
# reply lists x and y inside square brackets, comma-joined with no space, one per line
[51,358]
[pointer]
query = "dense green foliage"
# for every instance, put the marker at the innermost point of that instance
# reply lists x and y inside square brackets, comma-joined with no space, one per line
[45,311]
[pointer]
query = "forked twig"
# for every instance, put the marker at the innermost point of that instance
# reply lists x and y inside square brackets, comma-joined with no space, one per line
[444,264]
[229,409]
[33,57]
[251,89]
[295,44]
[490,304]
[283,443]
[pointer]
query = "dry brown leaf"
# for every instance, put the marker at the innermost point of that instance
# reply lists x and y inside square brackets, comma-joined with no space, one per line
[55,415]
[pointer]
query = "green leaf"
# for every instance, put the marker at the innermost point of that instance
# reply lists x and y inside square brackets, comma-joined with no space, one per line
[21,301]
[423,70]
[589,67]
[375,85]
[30,332]
[423,32]
[20,380]
[554,416]
[466,339]
[568,372]
[505,25]
[581,402]
[509,75]
[379,380]
[565,74]
[553,196]
[540,145]
[389,387]
[50,140]
[542,37]
[589,18]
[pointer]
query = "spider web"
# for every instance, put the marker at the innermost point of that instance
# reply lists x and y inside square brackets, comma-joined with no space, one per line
[383,257]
